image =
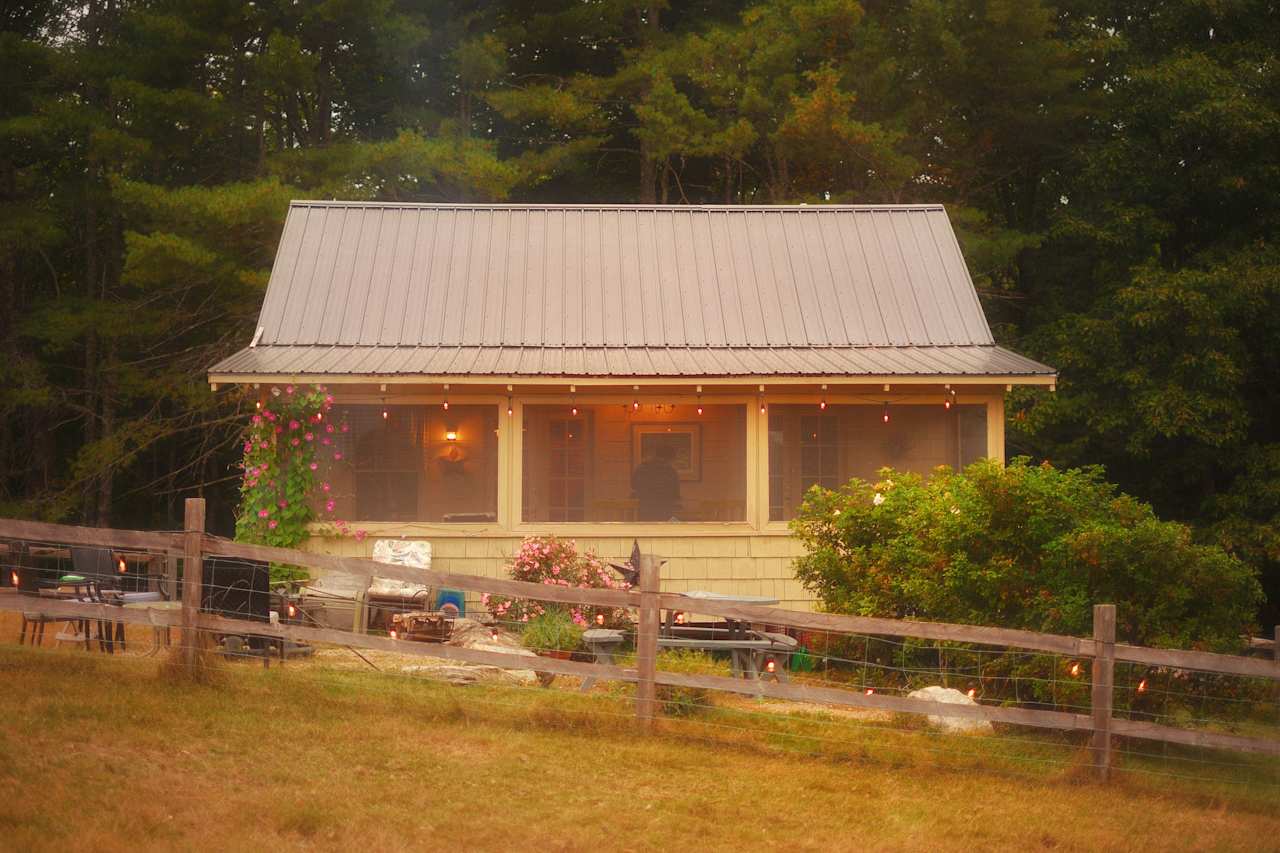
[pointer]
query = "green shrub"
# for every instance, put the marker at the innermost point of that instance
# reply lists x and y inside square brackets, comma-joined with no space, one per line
[1022,546]
[554,630]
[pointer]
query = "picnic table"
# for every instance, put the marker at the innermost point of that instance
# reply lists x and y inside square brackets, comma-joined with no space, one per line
[748,648]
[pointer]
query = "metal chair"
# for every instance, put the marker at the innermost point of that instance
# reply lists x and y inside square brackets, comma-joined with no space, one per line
[97,568]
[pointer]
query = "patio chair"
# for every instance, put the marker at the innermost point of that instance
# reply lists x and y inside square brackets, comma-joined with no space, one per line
[97,569]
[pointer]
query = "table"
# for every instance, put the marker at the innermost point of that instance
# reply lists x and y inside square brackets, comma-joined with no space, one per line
[745,645]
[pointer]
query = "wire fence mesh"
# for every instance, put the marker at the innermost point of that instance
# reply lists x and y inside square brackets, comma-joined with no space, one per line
[752,715]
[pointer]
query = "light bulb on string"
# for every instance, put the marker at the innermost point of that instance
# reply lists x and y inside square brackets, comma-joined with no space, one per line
[635,405]
[885,415]
[385,413]
[445,404]
[762,405]
[573,409]
[699,404]
[510,409]
[949,400]
[822,404]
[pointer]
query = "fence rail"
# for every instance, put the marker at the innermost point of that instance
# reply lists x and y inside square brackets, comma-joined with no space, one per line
[193,545]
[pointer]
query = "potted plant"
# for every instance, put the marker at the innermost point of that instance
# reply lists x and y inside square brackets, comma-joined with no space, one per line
[552,634]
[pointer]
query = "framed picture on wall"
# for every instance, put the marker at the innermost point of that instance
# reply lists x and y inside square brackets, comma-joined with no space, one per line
[679,444]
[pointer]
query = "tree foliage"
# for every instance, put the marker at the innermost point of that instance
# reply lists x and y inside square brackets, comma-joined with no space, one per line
[1110,166]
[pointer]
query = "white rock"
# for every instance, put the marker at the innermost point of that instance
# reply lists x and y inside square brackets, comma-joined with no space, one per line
[953,725]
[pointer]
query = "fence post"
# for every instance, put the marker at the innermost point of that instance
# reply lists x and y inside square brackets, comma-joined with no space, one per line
[192,578]
[1104,673]
[647,641]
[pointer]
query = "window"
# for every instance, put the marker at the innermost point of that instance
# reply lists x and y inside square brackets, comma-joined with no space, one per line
[828,448]
[419,463]
[614,462]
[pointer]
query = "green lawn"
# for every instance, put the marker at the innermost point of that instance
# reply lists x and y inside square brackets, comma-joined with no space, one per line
[107,754]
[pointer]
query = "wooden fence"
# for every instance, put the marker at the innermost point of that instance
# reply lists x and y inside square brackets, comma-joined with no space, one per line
[193,545]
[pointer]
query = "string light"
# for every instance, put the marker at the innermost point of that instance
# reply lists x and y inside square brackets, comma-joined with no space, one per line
[635,405]
[258,404]
[510,410]
[1142,686]
[973,692]
[823,404]
[762,405]
[385,414]
[573,389]
[885,416]
[699,399]
[949,400]
[1075,669]
[122,566]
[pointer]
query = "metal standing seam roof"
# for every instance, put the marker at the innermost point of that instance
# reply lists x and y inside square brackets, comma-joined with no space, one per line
[394,289]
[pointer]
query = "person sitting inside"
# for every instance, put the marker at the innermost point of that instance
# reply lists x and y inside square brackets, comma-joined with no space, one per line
[656,485]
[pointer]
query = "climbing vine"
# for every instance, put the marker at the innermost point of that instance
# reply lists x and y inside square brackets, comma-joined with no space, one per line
[287,435]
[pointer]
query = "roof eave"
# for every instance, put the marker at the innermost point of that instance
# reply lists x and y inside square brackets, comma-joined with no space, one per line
[242,378]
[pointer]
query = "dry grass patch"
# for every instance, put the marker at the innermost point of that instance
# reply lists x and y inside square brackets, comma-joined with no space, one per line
[105,754]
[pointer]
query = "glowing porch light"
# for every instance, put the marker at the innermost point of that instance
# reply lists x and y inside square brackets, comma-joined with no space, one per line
[1142,686]
[1074,669]
[884,416]
[451,435]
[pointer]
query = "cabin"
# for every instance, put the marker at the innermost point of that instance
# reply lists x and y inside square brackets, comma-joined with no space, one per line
[680,375]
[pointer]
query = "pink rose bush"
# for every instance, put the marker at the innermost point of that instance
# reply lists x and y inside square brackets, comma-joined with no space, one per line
[557,562]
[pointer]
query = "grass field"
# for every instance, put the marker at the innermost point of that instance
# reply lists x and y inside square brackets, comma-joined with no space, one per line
[109,754]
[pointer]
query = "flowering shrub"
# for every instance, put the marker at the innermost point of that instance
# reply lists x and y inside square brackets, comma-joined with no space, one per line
[557,562]
[1023,546]
[281,458]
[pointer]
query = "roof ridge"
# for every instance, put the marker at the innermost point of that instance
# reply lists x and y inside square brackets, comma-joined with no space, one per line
[713,208]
